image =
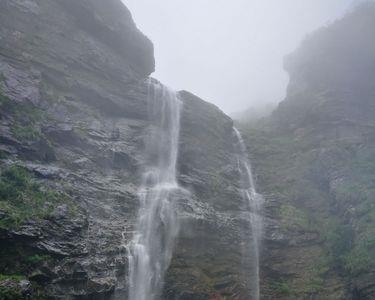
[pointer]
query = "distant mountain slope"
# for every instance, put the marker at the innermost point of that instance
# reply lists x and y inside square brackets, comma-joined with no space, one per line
[314,160]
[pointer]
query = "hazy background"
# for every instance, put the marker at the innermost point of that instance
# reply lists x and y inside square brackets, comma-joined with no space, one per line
[229,52]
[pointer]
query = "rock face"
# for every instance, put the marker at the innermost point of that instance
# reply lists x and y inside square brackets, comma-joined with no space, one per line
[331,72]
[212,256]
[78,66]
[74,115]
[314,163]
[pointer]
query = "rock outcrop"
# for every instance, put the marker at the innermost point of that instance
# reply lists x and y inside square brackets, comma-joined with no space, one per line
[73,119]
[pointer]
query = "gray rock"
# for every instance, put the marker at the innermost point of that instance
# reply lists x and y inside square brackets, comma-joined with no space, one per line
[84,63]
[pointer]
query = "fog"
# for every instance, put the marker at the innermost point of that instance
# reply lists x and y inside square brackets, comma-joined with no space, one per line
[230,52]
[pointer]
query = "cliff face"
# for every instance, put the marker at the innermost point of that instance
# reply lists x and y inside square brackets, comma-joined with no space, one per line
[330,76]
[213,255]
[73,111]
[74,114]
[314,162]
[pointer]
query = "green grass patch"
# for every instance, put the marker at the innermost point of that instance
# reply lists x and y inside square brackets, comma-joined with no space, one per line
[37,259]
[22,198]
[12,277]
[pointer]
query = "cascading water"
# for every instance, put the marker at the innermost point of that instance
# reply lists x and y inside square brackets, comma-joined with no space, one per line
[255,204]
[150,251]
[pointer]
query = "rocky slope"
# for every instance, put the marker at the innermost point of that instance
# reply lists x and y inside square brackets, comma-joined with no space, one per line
[73,113]
[314,159]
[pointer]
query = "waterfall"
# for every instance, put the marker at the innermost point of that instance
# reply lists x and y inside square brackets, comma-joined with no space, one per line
[150,250]
[255,204]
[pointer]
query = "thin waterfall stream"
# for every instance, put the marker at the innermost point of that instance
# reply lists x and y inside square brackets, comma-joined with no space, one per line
[255,203]
[151,248]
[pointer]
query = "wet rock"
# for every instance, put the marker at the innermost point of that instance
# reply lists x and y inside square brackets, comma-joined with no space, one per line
[19,84]
[45,171]
[86,70]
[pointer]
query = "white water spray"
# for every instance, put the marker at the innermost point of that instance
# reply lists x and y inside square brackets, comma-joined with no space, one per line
[255,203]
[151,249]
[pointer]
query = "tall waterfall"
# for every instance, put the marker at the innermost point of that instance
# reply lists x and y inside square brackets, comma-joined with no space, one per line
[255,204]
[150,251]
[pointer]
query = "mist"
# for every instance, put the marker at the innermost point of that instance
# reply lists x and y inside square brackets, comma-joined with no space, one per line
[117,185]
[230,53]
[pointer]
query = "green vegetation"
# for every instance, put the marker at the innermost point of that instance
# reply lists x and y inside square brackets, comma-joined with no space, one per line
[294,218]
[37,259]
[26,126]
[281,288]
[11,277]
[21,259]
[359,259]
[338,241]
[25,132]
[296,170]
[316,276]
[359,192]
[10,291]
[26,118]
[22,198]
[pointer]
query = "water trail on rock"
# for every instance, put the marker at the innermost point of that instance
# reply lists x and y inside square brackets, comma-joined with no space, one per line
[255,203]
[150,251]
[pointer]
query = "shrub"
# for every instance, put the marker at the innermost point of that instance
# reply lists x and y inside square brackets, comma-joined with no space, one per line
[22,198]
[37,259]
[281,288]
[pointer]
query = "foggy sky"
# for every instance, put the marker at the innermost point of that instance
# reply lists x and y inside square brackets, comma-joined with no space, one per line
[229,52]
